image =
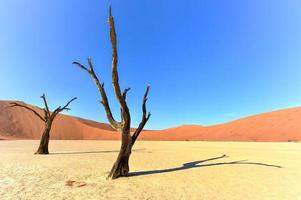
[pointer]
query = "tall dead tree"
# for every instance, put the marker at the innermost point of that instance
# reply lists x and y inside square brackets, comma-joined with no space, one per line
[121,166]
[47,119]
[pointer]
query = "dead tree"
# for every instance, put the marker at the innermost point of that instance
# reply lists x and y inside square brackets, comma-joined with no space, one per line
[121,166]
[47,119]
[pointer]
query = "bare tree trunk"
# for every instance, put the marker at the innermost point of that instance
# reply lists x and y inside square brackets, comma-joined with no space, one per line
[43,148]
[47,119]
[121,165]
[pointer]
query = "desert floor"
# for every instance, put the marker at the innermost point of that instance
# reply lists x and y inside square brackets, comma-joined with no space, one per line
[159,170]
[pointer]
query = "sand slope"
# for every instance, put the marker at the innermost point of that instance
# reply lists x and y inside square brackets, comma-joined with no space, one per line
[20,123]
[78,170]
[282,125]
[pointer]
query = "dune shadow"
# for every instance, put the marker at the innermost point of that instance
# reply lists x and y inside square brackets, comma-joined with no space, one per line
[90,152]
[197,164]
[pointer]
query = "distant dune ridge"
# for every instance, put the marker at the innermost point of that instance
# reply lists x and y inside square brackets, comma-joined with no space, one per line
[282,125]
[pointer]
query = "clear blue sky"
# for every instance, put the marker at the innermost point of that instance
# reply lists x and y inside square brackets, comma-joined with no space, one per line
[207,61]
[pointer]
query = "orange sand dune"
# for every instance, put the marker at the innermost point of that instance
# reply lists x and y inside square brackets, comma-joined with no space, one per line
[20,123]
[282,125]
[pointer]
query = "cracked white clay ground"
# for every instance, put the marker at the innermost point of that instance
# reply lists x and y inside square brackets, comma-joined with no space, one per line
[159,170]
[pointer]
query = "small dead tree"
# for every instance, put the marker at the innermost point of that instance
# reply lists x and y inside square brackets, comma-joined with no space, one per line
[121,166]
[47,119]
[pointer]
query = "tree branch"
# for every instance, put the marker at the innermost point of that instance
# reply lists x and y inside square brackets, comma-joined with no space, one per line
[46,109]
[115,80]
[104,99]
[82,66]
[28,108]
[66,106]
[144,117]
[60,109]
[45,102]
[125,91]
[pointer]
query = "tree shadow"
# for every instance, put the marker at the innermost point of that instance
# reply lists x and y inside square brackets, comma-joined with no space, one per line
[194,164]
[90,152]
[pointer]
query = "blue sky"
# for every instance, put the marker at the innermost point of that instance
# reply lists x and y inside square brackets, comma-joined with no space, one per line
[207,62]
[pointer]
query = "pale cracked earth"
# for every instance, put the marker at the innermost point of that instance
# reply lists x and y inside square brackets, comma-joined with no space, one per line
[159,170]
